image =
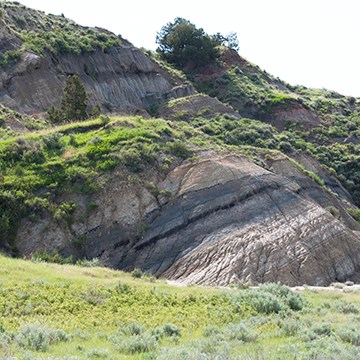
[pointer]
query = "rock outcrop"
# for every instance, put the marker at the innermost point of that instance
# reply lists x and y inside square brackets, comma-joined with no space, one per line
[228,220]
[234,221]
[123,79]
[120,79]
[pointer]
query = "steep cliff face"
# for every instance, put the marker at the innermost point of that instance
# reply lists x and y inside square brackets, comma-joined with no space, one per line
[124,79]
[228,220]
[118,77]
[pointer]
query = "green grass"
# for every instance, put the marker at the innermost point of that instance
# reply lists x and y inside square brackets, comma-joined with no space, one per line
[49,310]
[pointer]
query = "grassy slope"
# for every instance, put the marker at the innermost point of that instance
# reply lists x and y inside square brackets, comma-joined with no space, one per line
[102,313]
[40,33]
[335,142]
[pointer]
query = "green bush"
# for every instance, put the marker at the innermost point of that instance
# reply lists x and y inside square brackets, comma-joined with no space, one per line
[346,307]
[211,330]
[9,57]
[51,257]
[131,158]
[98,354]
[65,211]
[133,328]
[290,327]
[179,149]
[240,332]
[137,273]
[171,330]
[88,263]
[39,338]
[52,141]
[263,302]
[355,213]
[269,298]
[350,335]
[323,329]
[141,343]
[285,146]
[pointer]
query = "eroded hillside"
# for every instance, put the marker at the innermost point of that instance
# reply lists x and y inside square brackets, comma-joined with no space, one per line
[41,50]
[199,193]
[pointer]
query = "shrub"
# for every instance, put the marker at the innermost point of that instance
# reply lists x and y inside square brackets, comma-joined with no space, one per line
[122,287]
[183,353]
[36,204]
[158,333]
[211,330]
[65,211]
[133,329]
[95,297]
[95,262]
[350,335]
[322,329]
[10,56]
[98,354]
[39,338]
[171,330]
[51,257]
[240,332]
[179,149]
[137,344]
[269,298]
[346,308]
[131,158]
[83,335]
[290,326]
[295,302]
[106,165]
[333,210]
[137,273]
[328,349]
[266,303]
[285,146]
[52,141]
[315,177]
[355,213]
[104,119]
[55,115]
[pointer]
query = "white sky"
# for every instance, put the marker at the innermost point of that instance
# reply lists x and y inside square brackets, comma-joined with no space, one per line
[308,42]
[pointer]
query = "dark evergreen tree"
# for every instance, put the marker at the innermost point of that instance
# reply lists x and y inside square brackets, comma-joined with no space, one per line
[232,41]
[55,115]
[74,101]
[182,44]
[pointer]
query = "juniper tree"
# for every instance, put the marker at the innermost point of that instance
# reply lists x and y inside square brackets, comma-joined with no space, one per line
[74,101]
[182,44]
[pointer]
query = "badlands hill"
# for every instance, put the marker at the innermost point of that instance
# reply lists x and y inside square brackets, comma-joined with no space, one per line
[219,175]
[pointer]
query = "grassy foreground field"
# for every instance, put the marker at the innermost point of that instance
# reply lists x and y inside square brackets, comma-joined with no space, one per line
[50,311]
